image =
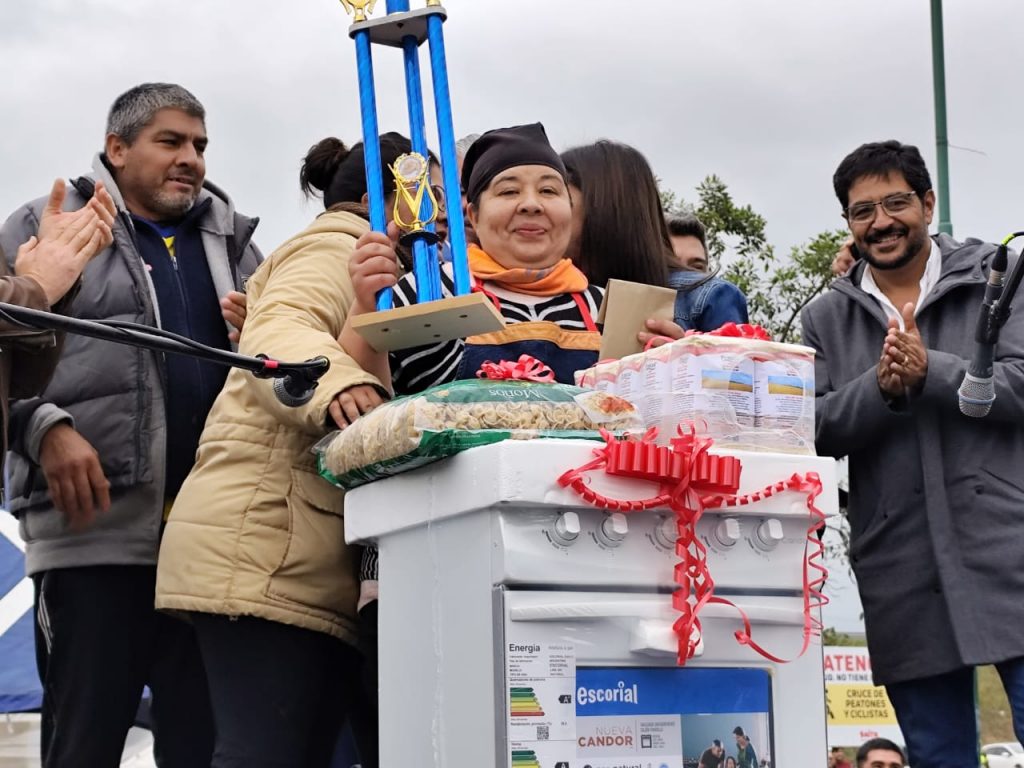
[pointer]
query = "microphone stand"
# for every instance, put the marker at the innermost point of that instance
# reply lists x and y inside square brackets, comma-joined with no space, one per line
[295,381]
[1001,309]
[977,391]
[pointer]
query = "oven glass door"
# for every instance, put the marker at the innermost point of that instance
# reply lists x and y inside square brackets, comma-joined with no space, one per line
[667,717]
[592,682]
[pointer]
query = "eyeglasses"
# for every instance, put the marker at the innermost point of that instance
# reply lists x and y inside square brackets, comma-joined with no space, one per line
[861,213]
[438,192]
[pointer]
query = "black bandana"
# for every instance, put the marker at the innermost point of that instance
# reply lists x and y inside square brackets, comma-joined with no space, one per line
[504,148]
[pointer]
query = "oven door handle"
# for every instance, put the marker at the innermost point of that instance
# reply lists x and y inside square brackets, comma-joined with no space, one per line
[652,637]
[583,610]
[650,619]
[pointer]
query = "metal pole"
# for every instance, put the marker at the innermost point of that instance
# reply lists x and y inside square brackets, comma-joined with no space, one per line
[371,147]
[424,257]
[941,136]
[449,165]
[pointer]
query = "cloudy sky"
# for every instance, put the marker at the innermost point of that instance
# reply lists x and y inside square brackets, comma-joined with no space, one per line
[767,94]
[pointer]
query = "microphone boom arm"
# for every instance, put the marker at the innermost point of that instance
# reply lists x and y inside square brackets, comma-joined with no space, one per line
[157,339]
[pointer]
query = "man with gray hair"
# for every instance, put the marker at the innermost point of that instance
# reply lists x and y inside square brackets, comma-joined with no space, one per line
[97,459]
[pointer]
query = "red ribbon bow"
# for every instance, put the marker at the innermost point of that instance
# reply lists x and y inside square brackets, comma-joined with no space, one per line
[685,471]
[691,480]
[526,368]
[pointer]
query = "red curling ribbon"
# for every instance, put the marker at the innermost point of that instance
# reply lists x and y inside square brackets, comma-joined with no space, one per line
[808,484]
[691,480]
[736,331]
[659,340]
[685,471]
[729,330]
[526,368]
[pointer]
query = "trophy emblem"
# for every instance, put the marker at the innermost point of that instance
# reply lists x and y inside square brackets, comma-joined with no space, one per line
[432,318]
[413,193]
[358,9]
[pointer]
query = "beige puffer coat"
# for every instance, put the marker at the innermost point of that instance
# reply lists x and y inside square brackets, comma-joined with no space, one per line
[254,530]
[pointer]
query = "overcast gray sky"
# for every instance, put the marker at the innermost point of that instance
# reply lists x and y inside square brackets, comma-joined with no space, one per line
[767,94]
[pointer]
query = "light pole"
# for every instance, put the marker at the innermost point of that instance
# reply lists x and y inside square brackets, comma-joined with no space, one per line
[941,137]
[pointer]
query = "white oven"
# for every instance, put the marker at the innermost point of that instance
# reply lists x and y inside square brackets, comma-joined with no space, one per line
[520,628]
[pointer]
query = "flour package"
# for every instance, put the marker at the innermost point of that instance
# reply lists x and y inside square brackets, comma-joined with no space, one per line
[745,393]
[412,431]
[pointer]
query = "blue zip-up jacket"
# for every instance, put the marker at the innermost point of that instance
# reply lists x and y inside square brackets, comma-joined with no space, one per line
[189,306]
[705,302]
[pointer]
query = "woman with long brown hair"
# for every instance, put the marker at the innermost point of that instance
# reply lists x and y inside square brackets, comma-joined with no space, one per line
[619,228]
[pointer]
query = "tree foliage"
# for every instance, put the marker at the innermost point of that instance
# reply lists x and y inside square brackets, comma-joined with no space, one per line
[777,288]
[831,636]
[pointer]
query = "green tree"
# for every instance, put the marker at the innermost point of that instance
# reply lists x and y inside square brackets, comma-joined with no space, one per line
[832,637]
[777,288]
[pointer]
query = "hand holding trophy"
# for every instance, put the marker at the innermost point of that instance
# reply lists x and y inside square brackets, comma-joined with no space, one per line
[432,318]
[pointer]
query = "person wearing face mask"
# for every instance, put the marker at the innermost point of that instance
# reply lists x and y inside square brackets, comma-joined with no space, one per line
[621,233]
[705,302]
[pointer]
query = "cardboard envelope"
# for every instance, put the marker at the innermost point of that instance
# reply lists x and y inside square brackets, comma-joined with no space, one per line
[625,308]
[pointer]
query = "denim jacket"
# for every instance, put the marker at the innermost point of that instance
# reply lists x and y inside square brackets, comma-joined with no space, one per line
[704,302]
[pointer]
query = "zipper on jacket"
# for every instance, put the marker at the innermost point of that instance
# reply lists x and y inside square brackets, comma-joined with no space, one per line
[140,397]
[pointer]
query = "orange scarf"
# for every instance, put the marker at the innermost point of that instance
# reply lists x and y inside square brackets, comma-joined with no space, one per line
[562,277]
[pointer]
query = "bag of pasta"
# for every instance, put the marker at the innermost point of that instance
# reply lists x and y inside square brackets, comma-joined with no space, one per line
[411,431]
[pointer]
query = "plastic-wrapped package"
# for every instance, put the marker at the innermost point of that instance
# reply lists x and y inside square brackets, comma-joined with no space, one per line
[747,394]
[784,398]
[412,431]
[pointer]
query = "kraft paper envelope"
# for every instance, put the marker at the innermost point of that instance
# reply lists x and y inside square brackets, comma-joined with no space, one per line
[625,309]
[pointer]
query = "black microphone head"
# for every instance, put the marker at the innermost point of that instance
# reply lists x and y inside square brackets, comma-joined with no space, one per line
[287,396]
[1001,260]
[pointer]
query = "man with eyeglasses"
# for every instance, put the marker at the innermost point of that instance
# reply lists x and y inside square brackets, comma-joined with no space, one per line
[936,499]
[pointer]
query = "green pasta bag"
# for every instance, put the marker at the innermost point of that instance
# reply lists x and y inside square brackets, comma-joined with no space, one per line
[412,431]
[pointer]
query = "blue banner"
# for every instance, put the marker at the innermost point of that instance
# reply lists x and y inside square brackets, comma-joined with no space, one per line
[670,690]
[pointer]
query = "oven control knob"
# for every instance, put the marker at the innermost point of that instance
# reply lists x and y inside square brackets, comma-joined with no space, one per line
[727,532]
[768,535]
[666,532]
[566,528]
[613,529]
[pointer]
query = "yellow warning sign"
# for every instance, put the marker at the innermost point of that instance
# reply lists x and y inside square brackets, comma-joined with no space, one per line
[858,705]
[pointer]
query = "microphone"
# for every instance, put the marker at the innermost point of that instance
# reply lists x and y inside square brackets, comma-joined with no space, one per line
[296,386]
[294,383]
[977,391]
[294,391]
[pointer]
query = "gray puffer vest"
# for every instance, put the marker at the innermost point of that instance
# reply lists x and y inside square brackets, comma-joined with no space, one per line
[112,393]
